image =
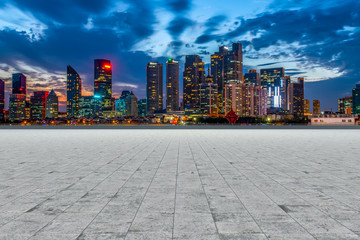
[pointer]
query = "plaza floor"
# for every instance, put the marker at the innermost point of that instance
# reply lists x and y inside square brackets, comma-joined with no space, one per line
[179,184]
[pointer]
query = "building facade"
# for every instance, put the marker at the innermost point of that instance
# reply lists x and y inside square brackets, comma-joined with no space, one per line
[73,92]
[316,107]
[52,105]
[154,87]
[307,107]
[90,107]
[18,83]
[142,107]
[356,99]
[131,105]
[273,80]
[252,78]
[17,106]
[296,98]
[38,105]
[193,77]
[345,105]
[103,83]
[235,97]
[172,85]
[209,97]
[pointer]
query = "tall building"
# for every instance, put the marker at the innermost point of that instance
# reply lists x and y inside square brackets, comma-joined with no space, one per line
[356,99]
[103,83]
[89,107]
[73,90]
[227,65]
[208,97]
[2,100]
[38,105]
[154,87]
[307,107]
[345,105]
[193,77]
[235,95]
[17,106]
[120,104]
[131,104]
[273,80]
[52,105]
[18,83]
[296,99]
[285,92]
[316,107]
[142,107]
[260,101]
[172,85]
[252,78]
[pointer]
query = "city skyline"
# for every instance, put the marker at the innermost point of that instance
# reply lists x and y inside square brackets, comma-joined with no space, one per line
[310,38]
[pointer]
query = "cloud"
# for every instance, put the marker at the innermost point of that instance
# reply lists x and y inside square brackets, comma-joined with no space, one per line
[178,25]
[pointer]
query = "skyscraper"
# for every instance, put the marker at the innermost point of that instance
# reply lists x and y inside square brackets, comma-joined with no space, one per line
[252,78]
[235,97]
[193,76]
[2,100]
[307,107]
[316,107]
[154,87]
[18,83]
[131,104]
[52,105]
[142,107]
[38,105]
[272,79]
[172,85]
[17,105]
[356,99]
[73,92]
[208,97]
[296,99]
[227,65]
[345,105]
[103,82]
[89,107]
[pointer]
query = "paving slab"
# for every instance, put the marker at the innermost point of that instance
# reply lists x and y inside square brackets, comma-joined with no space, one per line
[223,184]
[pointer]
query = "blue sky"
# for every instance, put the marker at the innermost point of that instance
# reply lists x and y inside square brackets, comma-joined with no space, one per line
[318,40]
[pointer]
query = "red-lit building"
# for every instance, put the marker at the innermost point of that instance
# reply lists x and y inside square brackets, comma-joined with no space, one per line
[103,83]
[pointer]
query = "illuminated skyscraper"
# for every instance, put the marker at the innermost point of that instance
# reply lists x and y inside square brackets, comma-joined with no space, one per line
[2,100]
[356,99]
[273,80]
[52,105]
[103,82]
[17,105]
[89,107]
[18,83]
[226,66]
[260,101]
[285,92]
[252,78]
[172,85]
[193,77]
[73,92]
[38,105]
[154,87]
[235,95]
[296,99]
[345,105]
[316,107]
[208,97]
[142,107]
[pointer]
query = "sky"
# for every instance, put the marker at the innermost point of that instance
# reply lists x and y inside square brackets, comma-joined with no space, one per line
[318,40]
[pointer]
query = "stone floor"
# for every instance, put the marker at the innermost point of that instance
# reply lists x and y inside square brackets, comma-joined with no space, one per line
[179,184]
